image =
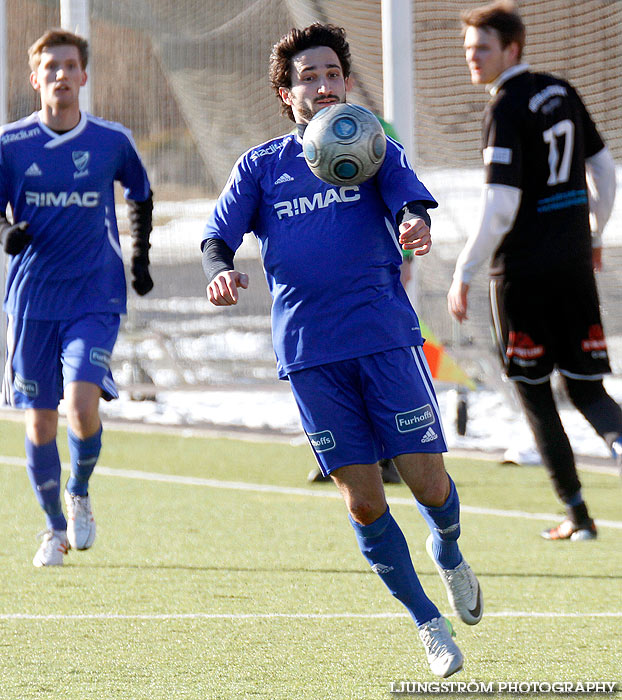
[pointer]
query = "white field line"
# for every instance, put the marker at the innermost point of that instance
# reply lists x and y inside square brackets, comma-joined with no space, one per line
[288,616]
[295,491]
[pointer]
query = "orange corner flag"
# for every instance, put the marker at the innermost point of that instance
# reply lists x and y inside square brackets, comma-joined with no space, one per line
[442,366]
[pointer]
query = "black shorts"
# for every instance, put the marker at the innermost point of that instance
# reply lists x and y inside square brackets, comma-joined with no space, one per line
[542,324]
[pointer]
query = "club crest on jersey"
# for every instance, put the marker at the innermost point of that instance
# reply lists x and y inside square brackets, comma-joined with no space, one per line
[81,161]
[320,200]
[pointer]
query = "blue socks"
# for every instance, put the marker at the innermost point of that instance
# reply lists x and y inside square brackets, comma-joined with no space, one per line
[444,524]
[43,467]
[84,455]
[383,545]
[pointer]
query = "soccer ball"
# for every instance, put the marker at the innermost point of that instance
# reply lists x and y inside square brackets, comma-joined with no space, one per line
[344,144]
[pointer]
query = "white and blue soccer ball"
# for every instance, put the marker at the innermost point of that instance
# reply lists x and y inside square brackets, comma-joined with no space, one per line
[344,144]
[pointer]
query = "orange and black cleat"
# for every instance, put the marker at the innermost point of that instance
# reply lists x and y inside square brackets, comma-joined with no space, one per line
[568,530]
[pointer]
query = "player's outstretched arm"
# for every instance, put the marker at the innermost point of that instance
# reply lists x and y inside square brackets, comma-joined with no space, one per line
[223,279]
[140,214]
[14,237]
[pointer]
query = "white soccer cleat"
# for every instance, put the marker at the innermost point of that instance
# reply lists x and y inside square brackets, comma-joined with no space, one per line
[53,548]
[443,654]
[463,589]
[80,522]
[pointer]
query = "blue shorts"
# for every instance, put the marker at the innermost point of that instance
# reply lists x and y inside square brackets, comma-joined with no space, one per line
[44,356]
[369,408]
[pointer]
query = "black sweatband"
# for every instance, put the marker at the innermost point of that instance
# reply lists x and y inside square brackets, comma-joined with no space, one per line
[413,210]
[217,257]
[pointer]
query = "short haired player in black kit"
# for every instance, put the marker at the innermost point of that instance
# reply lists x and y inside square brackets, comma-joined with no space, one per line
[550,185]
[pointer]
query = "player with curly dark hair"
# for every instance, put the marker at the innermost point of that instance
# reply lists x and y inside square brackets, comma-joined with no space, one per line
[345,335]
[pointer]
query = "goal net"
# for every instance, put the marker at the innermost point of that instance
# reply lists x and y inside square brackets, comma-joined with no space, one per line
[189,77]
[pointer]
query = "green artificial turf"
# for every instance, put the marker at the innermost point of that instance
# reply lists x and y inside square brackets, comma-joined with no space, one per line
[209,590]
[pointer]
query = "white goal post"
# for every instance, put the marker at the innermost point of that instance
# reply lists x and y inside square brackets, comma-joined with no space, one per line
[398,71]
[75,16]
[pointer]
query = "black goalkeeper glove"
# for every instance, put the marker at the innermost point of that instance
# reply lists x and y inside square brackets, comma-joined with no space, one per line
[141,279]
[14,237]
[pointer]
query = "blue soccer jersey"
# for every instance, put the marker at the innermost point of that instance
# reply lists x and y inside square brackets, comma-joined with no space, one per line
[63,186]
[330,253]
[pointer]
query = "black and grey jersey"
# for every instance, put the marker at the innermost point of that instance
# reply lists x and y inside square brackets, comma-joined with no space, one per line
[537,134]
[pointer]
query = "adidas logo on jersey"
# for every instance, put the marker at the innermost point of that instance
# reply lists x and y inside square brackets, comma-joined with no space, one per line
[34,169]
[429,436]
[285,177]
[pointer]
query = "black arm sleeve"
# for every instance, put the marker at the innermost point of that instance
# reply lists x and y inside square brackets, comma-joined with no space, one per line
[413,210]
[4,227]
[140,215]
[217,257]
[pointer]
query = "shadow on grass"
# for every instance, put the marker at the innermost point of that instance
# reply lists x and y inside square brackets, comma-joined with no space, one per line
[347,572]
[223,569]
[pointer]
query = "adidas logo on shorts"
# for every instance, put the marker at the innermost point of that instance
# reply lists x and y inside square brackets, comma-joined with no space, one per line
[429,436]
